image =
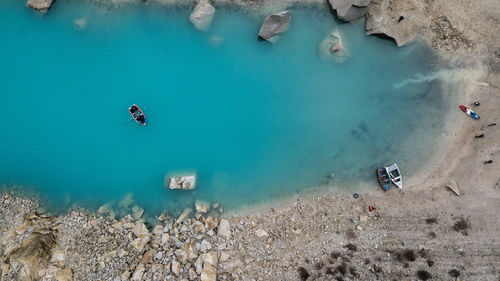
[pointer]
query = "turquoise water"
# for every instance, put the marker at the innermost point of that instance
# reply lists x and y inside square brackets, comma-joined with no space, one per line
[255,121]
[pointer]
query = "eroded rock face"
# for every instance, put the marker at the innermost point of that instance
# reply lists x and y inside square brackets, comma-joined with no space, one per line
[274,25]
[202,15]
[40,5]
[350,10]
[394,20]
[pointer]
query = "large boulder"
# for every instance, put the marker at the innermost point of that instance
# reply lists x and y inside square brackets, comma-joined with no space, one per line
[40,5]
[274,25]
[350,10]
[395,20]
[202,15]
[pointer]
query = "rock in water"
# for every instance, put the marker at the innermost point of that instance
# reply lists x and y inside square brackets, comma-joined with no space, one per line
[201,206]
[274,25]
[333,48]
[40,5]
[202,15]
[350,10]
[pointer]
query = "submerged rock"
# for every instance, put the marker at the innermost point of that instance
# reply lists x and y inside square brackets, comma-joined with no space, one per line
[274,25]
[80,24]
[333,48]
[201,206]
[202,15]
[40,5]
[350,10]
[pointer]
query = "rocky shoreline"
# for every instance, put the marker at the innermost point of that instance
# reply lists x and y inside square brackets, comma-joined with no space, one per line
[420,233]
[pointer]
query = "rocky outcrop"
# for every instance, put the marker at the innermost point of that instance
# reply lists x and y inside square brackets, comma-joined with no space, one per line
[202,15]
[394,20]
[274,25]
[350,10]
[40,5]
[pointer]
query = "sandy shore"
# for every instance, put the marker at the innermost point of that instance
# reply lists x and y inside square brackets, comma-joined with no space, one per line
[421,232]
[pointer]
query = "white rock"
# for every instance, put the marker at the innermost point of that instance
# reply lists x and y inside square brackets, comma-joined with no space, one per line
[137,212]
[80,24]
[209,273]
[158,230]
[202,15]
[205,245]
[176,268]
[224,229]
[202,207]
[183,216]
[210,258]
[224,257]
[140,229]
[139,271]
[198,265]
[261,233]
[363,218]
[192,274]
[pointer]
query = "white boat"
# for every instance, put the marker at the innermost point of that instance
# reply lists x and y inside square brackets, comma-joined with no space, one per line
[395,175]
[182,182]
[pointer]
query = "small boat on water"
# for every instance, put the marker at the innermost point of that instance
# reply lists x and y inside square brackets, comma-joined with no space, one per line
[182,182]
[383,179]
[395,175]
[137,114]
[469,112]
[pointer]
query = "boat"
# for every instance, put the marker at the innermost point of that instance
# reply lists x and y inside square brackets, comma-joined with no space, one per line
[469,112]
[383,179]
[186,182]
[137,114]
[395,175]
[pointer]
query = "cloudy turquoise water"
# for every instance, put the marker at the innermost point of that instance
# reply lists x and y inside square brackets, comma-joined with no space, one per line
[255,121]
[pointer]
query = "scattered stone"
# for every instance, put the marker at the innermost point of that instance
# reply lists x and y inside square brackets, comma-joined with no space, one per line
[176,268]
[363,218]
[163,217]
[210,258]
[261,233]
[202,15]
[452,185]
[224,257]
[215,205]
[274,25]
[65,274]
[202,207]
[140,229]
[224,229]
[183,216]
[209,273]
[137,212]
[192,274]
[198,265]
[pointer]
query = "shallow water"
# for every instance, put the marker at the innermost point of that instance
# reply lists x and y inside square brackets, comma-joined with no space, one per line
[255,121]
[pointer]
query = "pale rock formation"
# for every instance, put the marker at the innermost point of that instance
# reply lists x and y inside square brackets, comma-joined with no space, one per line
[202,15]
[209,273]
[274,25]
[201,206]
[394,20]
[40,5]
[350,10]
[224,229]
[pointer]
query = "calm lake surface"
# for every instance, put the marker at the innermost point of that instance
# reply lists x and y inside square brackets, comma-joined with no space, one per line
[255,121]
